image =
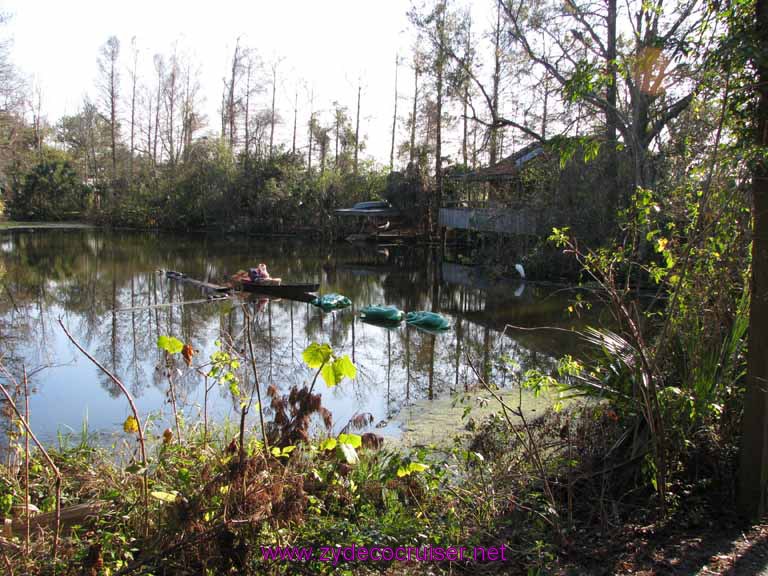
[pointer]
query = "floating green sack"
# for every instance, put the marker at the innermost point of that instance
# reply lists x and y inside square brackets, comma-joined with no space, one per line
[382,314]
[332,301]
[428,321]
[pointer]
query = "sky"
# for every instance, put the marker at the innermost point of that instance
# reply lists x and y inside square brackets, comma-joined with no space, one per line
[324,46]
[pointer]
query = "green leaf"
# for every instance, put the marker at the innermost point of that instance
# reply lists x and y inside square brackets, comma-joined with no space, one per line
[349,453]
[345,367]
[164,496]
[334,373]
[170,344]
[353,440]
[328,444]
[315,355]
[329,376]
[411,468]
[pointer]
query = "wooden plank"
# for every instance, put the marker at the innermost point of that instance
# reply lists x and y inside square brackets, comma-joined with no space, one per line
[173,275]
[499,220]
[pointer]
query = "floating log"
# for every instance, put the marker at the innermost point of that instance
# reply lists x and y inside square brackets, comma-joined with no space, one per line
[173,275]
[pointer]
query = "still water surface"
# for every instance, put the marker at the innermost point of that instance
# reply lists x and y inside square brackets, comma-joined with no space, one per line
[106,288]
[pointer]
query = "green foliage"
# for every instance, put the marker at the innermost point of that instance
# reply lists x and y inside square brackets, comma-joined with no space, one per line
[224,366]
[333,369]
[315,355]
[170,344]
[586,79]
[51,190]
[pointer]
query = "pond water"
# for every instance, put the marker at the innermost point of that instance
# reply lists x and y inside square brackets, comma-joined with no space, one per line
[106,288]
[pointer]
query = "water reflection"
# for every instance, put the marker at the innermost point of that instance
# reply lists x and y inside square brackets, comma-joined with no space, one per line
[107,290]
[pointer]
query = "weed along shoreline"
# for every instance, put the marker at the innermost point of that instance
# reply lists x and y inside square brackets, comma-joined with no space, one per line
[384,289]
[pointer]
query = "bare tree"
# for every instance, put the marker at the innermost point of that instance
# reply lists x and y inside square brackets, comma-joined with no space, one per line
[394,119]
[236,73]
[159,63]
[357,130]
[134,81]
[109,84]
[273,115]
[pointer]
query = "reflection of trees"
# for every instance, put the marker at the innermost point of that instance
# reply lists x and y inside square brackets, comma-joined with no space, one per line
[88,275]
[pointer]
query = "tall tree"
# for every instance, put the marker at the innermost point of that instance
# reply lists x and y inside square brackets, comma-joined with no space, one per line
[753,474]
[433,25]
[357,130]
[236,72]
[394,119]
[273,115]
[159,63]
[110,86]
[134,82]
[416,71]
[311,123]
[295,119]
[496,83]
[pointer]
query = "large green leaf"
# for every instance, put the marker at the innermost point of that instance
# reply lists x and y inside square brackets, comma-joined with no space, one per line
[345,367]
[170,344]
[328,444]
[353,440]
[329,376]
[315,355]
[339,369]
[412,467]
[169,497]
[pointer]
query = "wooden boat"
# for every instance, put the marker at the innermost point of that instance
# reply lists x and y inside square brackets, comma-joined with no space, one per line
[269,286]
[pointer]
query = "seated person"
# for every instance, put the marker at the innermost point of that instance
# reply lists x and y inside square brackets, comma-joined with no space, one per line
[260,273]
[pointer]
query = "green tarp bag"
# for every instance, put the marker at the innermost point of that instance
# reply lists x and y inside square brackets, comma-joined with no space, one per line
[328,302]
[382,314]
[428,321]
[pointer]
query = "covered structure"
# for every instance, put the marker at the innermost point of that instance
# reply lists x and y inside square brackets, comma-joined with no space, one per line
[376,220]
[480,199]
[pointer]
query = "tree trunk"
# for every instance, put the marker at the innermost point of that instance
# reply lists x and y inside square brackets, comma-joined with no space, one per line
[611,120]
[133,112]
[394,124]
[493,141]
[231,99]
[295,118]
[438,200]
[272,115]
[247,112]
[412,158]
[357,131]
[160,73]
[753,473]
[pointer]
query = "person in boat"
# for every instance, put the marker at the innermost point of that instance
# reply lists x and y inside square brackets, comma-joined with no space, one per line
[260,273]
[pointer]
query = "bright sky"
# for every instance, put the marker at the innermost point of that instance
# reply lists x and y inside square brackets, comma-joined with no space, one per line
[326,45]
